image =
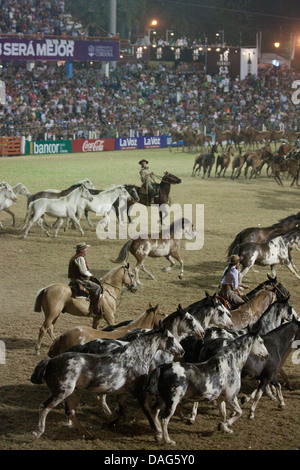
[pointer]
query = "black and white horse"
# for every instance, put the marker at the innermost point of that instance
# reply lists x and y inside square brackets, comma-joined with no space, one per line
[116,373]
[270,253]
[219,379]
[279,345]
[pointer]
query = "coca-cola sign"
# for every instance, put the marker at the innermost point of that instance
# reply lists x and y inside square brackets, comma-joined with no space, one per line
[93,145]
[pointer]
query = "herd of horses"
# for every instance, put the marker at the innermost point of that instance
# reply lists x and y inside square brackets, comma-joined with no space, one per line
[161,358]
[285,160]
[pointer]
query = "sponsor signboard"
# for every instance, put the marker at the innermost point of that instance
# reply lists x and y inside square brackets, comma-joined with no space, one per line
[93,145]
[146,142]
[58,49]
[48,147]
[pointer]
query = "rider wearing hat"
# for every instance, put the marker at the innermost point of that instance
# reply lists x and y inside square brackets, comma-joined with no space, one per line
[147,179]
[79,274]
[229,287]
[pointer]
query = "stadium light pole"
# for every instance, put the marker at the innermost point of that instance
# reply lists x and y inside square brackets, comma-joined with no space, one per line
[113,23]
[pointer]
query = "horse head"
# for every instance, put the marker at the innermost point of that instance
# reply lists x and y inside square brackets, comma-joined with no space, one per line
[171,179]
[129,279]
[85,193]
[131,188]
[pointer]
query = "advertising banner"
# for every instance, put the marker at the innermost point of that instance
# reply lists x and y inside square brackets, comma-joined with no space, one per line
[46,147]
[146,142]
[93,145]
[58,49]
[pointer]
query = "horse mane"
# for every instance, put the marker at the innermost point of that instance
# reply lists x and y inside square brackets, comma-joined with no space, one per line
[282,234]
[112,187]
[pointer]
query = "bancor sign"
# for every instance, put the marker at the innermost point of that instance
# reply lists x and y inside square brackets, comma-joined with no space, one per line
[44,147]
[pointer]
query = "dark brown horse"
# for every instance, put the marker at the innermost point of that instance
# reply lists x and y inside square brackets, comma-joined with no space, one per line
[237,164]
[166,244]
[223,161]
[161,191]
[261,234]
[282,165]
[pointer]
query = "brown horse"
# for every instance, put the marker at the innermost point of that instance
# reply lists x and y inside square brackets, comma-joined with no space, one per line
[165,243]
[57,298]
[282,165]
[223,161]
[253,309]
[83,334]
[237,164]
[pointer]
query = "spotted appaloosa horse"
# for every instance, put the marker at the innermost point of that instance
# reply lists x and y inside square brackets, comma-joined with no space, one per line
[114,373]
[219,379]
[262,234]
[275,251]
[279,345]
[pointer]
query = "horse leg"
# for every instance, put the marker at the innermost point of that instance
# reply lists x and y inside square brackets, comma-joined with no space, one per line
[273,271]
[145,271]
[290,266]
[71,402]
[47,406]
[177,256]
[8,211]
[60,222]
[46,327]
[76,222]
[169,258]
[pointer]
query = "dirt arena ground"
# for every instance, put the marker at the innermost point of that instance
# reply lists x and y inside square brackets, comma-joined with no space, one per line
[33,263]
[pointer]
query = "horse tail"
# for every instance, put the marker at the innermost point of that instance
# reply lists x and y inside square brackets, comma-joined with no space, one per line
[27,216]
[124,253]
[38,301]
[235,244]
[39,372]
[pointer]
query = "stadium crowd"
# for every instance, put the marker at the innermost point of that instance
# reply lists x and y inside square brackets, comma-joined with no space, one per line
[135,99]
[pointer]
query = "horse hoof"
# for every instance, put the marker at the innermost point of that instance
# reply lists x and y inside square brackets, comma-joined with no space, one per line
[180,276]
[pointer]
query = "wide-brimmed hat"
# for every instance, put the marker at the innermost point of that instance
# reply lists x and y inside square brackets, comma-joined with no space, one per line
[143,160]
[235,259]
[81,246]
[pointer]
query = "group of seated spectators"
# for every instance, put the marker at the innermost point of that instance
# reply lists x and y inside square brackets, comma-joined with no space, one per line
[134,99]
[138,100]
[41,17]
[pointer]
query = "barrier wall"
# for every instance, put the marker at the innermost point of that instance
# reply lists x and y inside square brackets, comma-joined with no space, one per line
[10,146]
[96,145]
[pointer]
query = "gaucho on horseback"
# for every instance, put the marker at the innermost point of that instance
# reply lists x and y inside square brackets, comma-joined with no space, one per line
[147,180]
[229,287]
[82,279]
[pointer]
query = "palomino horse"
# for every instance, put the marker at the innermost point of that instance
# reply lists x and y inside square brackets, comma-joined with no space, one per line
[170,383]
[261,234]
[149,319]
[223,161]
[117,373]
[165,243]
[6,194]
[62,208]
[57,298]
[275,251]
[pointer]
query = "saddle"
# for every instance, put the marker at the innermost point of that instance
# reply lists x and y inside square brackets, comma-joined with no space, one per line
[78,290]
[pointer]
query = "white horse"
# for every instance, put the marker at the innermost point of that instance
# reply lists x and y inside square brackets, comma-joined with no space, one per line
[62,208]
[102,202]
[17,189]
[7,197]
